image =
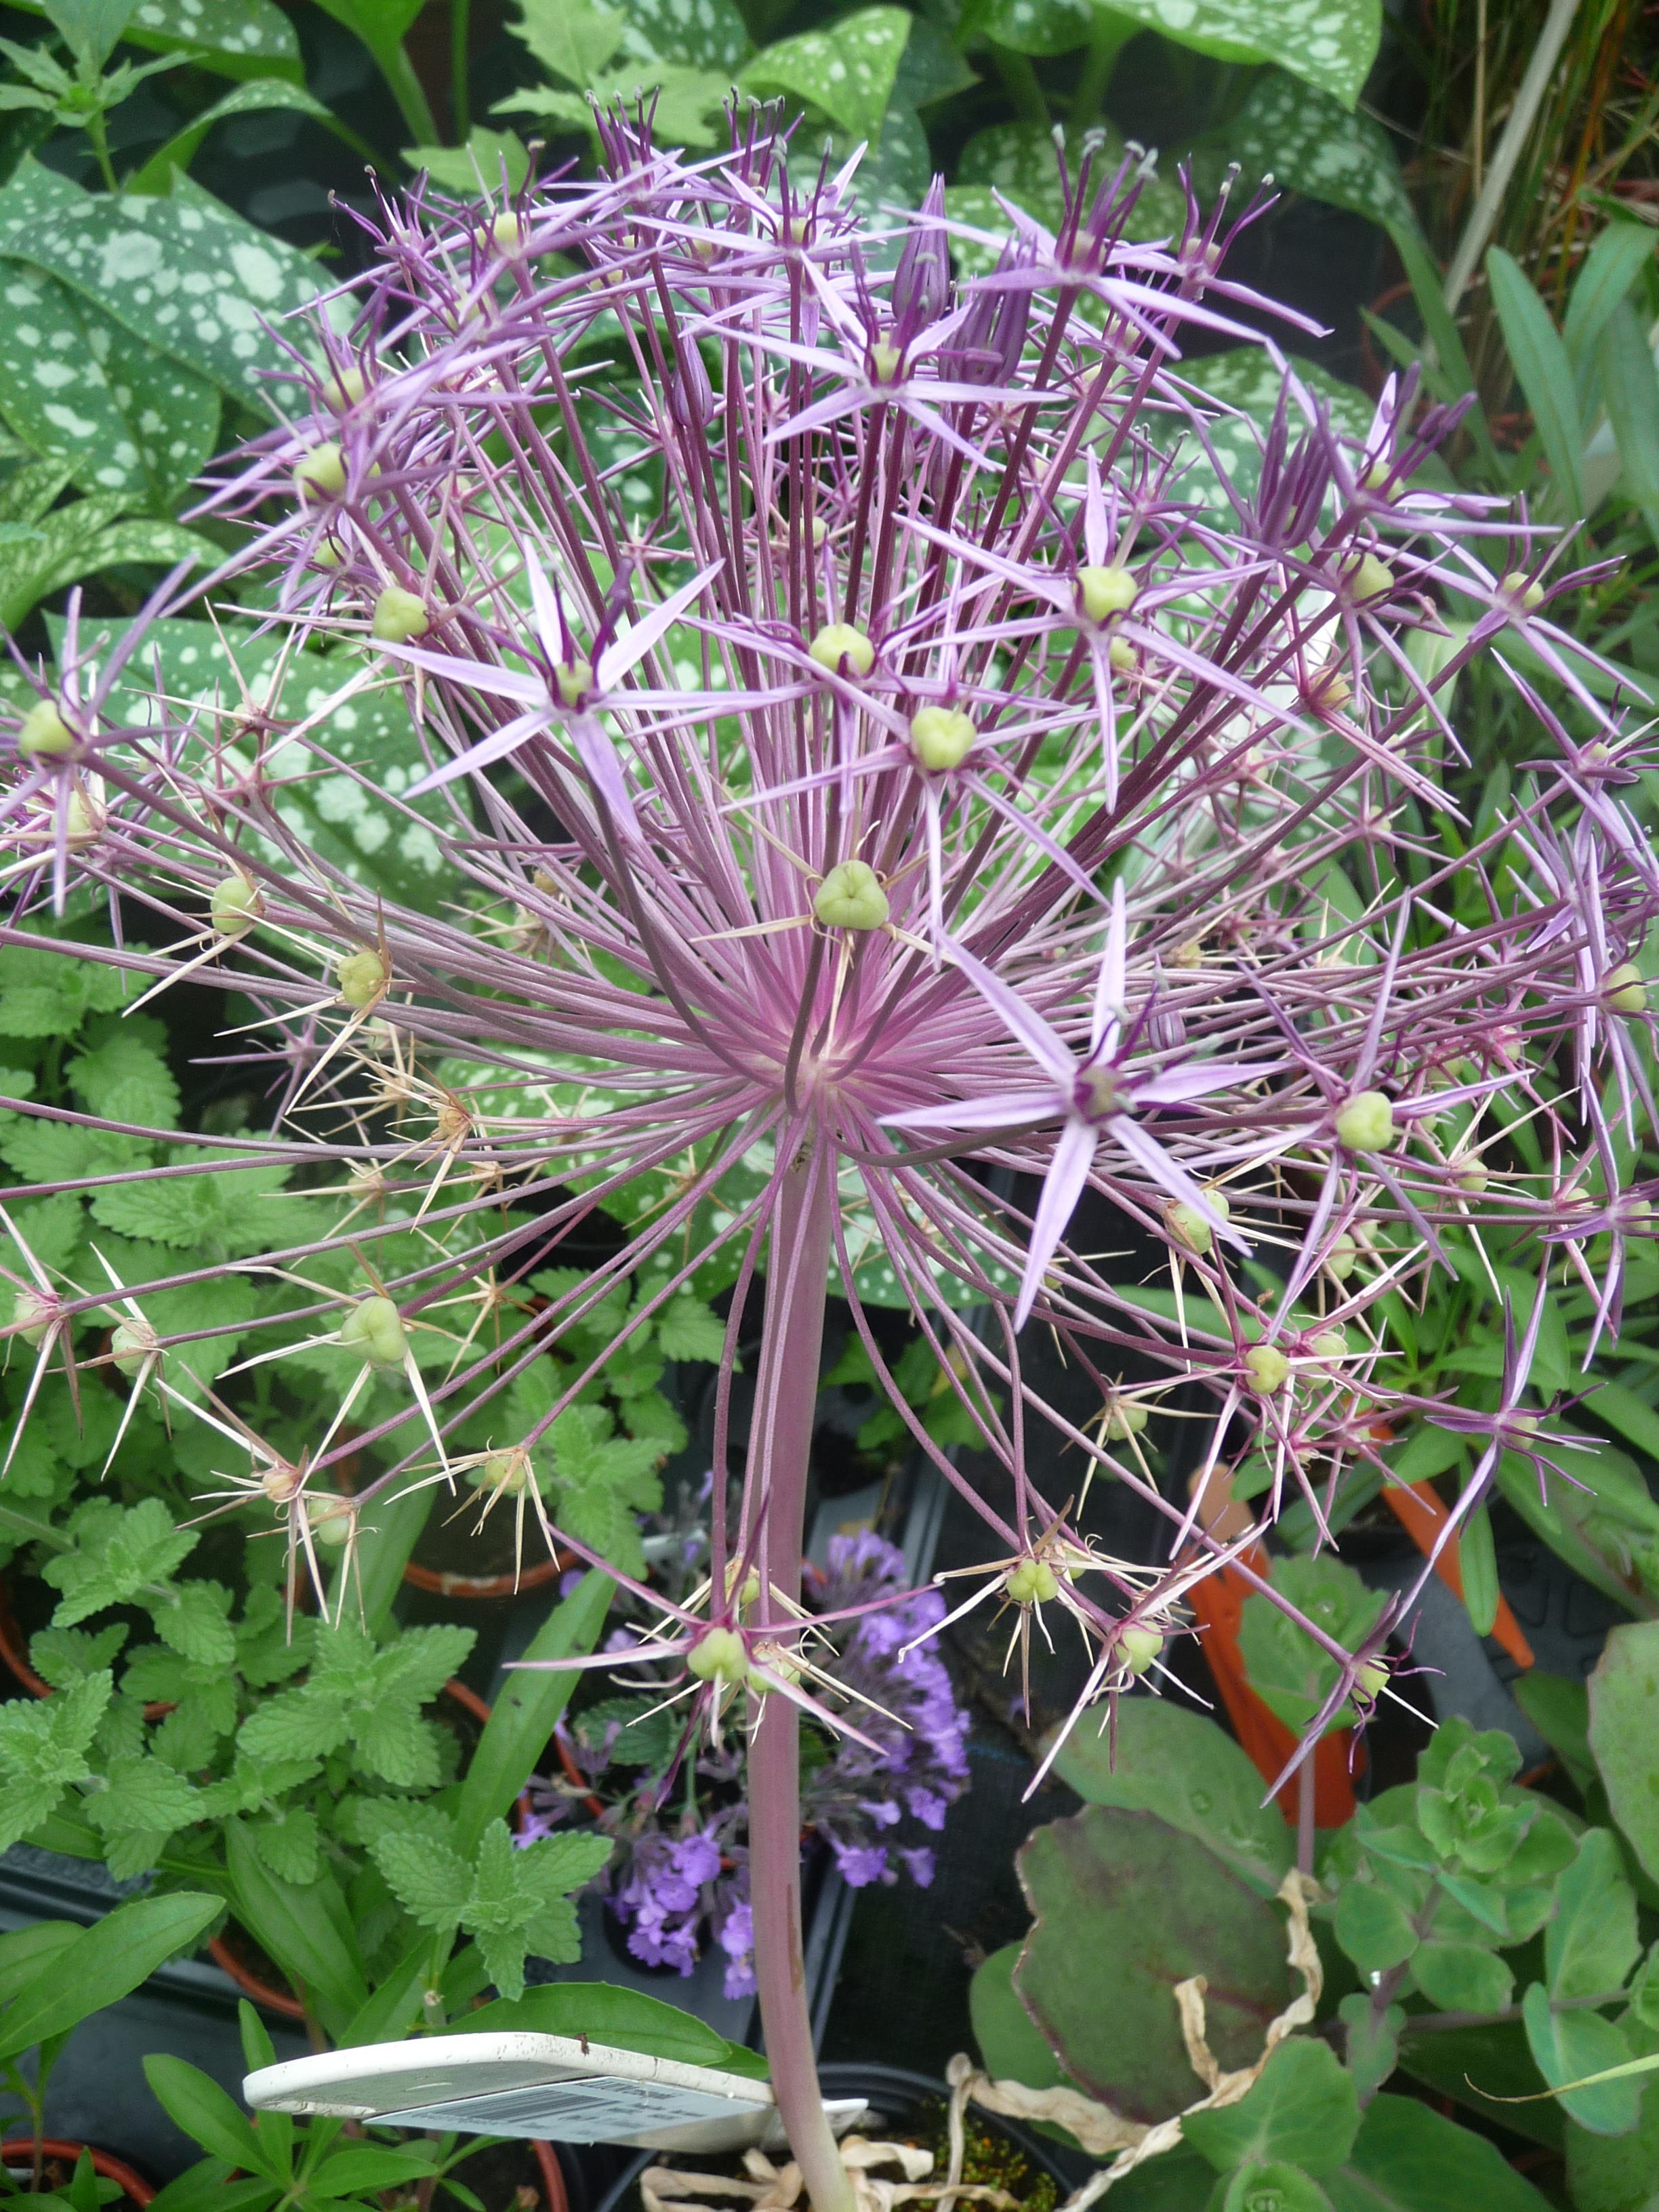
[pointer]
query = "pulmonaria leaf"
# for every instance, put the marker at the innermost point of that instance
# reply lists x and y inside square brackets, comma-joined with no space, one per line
[1309,141]
[1331,46]
[1039,26]
[846,72]
[80,388]
[704,35]
[234,37]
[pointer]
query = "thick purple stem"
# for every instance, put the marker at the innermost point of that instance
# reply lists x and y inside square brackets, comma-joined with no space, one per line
[797,1282]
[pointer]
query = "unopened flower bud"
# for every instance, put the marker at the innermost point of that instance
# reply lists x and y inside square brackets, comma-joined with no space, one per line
[719,1654]
[1520,588]
[235,906]
[941,737]
[321,472]
[1369,578]
[44,731]
[1031,1582]
[1365,1124]
[921,281]
[1624,989]
[573,680]
[690,395]
[132,1342]
[33,1313]
[839,642]
[851,897]
[1266,1367]
[362,977]
[1138,1648]
[374,1327]
[1106,591]
[1189,1225]
[399,615]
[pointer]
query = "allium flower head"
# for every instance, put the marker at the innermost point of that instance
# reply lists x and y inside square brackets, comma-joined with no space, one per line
[889,783]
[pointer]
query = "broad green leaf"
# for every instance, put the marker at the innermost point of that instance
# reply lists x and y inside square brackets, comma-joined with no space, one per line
[1272,2188]
[574,39]
[112,1957]
[1480,2068]
[82,538]
[627,2020]
[91,28]
[184,274]
[1630,385]
[1407,2157]
[1569,2046]
[1126,1903]
[1461,1977]
[1331,46]
[253,98]
[1157,1756]
[354,2167]
[1628,1415]
[1544,375]
[121,1074]
[1591,1944]
[26,1951]
[489,161]
[1624,1697]
[1477,1562]
[1560,1710]
[381,24]
[194,2101]
[1370,2042]
[528,1708]
[1610,269]
[1009,2042]
[932,68]
[1286,1668]
[846,72]
[232,38]
[1302,2109]
[1310,143]
[1615,2173]
[1373,1927]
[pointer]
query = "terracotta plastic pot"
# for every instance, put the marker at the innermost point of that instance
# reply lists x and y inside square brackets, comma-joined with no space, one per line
[19,2150]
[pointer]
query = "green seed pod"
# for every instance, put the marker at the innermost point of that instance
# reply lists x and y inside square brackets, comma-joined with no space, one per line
[1123,1420]
[1123,656]
[1189,1224]
[1365,1124]
[1471,1174]
[1266,1367]
[778,1660]
[1106,591]
[1031,1582]
[573,680]
[45,732]
[1342,1258]
[332,1518]
[363,977]
[941,737]
[132,1343]
[345,387]
[1138,1648]
[1369,578]
[1371,1680]
[851,897]
[235,906]
[839,642]
[375,1328]
[1624,989]
[1329,1344]
[508,1470]
[719,1654]
[885,361]
[33,1313]
[1515,585]
[320,474]
[399,615]
[507,235]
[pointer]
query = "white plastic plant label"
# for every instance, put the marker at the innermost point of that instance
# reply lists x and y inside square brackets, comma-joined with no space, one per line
[553,2086]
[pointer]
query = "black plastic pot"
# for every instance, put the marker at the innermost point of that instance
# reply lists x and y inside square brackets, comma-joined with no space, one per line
[895,2094]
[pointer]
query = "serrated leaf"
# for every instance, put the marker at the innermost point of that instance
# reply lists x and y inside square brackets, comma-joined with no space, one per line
[195,1622]
[184,274]
[79,388]
[686,1328]
[293,1725]
[431,1880]
[392,1741]
[43,1751]
[122,1075]
[215,1214]
[490,161]
[846,72]
[143,1796]
[119,1549]
[1309,141]
[288,1844]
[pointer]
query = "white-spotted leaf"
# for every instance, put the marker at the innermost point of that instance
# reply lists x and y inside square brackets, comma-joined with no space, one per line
[704,34]
[1309,142]
[184,274]
[846,72]
[1327,43]
[1039,26]
[232,38]
[80,539]
[1017,161]
[78,387]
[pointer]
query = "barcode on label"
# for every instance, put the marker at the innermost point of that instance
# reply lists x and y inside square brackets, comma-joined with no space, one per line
[571,2112]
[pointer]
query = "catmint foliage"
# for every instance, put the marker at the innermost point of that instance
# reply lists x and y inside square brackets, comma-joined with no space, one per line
[870,738]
